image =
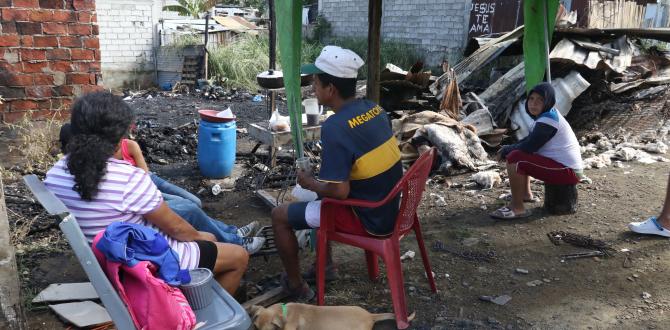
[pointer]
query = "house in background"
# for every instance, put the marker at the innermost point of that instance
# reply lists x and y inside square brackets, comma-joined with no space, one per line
[132,32]
[441,29]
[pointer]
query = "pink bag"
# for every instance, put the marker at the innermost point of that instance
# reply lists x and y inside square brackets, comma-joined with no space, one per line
[153,305]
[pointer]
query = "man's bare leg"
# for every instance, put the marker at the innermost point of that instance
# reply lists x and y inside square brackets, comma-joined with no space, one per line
[664,218]
[287,245]
[519,184]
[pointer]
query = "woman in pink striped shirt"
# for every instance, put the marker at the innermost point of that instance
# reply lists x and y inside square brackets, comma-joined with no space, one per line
[99,190]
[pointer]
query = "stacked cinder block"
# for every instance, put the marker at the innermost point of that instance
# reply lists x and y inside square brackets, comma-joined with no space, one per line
[49,54]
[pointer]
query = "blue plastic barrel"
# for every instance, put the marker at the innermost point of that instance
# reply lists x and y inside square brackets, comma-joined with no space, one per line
[217,143]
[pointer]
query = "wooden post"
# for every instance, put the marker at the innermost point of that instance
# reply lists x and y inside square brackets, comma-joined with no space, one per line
[374,48]
[206,53]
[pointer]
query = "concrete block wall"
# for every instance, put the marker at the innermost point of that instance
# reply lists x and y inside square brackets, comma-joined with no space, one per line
[49,54]
[127,41]
[437,28]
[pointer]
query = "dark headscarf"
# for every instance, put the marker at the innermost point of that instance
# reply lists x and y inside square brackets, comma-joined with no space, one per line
[547,92]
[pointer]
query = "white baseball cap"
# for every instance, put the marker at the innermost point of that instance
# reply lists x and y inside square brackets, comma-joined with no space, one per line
[335,61]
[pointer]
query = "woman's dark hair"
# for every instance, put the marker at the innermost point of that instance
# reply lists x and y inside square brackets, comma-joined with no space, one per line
[65,136]
[548,95]
[99,121]
[345,86]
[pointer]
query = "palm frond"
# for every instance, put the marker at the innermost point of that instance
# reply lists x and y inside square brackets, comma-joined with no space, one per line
[182,11]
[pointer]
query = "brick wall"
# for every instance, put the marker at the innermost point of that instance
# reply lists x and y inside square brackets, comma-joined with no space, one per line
[438,28]
[127,41]
[49,54]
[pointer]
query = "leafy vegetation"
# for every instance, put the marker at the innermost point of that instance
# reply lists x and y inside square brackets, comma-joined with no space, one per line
[192,8]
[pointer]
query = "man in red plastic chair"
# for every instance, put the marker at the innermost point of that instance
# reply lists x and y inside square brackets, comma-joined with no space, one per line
[360,159]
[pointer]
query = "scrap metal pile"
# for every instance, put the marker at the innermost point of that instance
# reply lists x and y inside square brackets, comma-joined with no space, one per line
[610,82]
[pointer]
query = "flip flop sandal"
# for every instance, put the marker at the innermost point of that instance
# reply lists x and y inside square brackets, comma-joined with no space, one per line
[535,199]
[505,213]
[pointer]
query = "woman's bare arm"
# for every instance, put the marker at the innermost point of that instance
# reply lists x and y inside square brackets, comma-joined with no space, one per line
[136,153]
[174,226]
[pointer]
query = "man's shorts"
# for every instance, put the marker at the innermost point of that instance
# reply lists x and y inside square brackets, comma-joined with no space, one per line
[307,215]
[542,168]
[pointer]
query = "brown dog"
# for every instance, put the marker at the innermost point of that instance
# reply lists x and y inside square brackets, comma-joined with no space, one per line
[301,316]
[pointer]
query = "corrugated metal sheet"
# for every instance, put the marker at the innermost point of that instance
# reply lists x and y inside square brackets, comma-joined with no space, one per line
[168,77]
[170,59]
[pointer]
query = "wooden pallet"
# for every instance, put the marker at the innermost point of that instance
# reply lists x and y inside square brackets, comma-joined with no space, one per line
[191,70]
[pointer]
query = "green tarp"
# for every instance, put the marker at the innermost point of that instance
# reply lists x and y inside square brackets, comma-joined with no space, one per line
[535,56]
[289,32]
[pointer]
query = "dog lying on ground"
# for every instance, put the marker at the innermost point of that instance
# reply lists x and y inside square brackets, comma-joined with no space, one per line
[294,316]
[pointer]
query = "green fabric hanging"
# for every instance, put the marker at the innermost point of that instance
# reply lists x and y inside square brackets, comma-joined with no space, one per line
[289,33]
[533,39]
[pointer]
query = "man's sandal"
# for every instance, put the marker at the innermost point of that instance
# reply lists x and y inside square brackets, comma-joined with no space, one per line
[535,199]
[505,213]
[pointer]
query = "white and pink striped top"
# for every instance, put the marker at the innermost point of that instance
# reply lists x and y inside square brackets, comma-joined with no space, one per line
[125,194]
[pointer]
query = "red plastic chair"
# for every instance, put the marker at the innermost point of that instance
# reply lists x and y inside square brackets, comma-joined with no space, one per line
[411,187]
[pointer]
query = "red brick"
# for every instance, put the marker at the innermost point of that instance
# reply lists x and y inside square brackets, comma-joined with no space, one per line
[4,66]
[10,93]
[61,66]
[23,105]
[12,14]
[95,30]
[43,79]
[78,78]
[42,15]
[20,80]
[8,28]
[92,43]
[82,55]
[11,117]
[94,18]
[65,90]
[84,17]
[79,29]
[39,92]
[5,3]
[26,3]
[29,28]
[58,54]
[91,67]
[54,28]
[27,41]
[70,42]
[64,16]
[97,55]
[52,4]
[9,40]
[94,67]
[33,55]
[64,107]
[34,67]
[84,4]
[46,41]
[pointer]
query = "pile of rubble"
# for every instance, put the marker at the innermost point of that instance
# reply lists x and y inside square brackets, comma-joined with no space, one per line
[164,144]
[599,151]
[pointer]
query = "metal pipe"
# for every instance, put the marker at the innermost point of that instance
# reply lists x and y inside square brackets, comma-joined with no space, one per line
[206,40]
[273,35]
[546,39]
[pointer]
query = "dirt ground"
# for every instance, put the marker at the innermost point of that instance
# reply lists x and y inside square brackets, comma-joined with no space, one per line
[482,256]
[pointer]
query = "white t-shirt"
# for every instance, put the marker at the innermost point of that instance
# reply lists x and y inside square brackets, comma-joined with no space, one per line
[125,194]
[563,147]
